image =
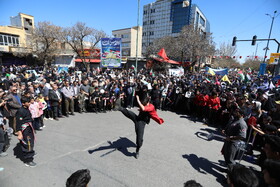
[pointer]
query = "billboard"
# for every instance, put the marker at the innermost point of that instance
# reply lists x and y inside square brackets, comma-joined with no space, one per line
[111,52]
[274,58]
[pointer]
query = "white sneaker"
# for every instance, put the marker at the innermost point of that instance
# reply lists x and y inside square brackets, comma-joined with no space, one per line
[45,118]
[44,126]
[50,118]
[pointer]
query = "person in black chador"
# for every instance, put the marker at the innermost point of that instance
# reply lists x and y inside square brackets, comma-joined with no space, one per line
[25,132]
[147,111]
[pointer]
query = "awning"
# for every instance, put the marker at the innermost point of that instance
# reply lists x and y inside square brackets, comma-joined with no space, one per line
[88,60]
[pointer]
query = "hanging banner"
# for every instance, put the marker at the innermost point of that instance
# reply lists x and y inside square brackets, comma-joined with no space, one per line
[262,69]
[111,52]
[176,72]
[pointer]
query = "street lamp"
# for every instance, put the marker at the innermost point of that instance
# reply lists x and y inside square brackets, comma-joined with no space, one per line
[136,61]
[269,34]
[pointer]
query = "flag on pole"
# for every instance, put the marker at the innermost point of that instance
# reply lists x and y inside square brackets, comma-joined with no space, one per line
[241,75]
[162,53]
[211,71]
[207,80]
[226,79]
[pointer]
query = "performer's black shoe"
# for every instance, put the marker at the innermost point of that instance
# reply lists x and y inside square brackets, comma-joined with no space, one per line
[137,155]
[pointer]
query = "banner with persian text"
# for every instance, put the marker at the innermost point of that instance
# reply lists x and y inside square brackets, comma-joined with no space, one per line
[111,52]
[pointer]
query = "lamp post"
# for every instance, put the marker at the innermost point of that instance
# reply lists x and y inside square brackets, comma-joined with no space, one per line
[269,34]
[136,61]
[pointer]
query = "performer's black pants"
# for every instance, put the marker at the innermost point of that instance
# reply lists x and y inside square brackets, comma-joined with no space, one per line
[139,126]
[27,146]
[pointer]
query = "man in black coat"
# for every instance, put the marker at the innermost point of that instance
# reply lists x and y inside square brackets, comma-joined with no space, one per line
[55,99]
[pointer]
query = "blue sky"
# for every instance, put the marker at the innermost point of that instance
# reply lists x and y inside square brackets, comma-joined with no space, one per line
[228,18]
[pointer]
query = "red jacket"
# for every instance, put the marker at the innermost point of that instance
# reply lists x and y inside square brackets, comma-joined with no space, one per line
[153,113]
[214,103]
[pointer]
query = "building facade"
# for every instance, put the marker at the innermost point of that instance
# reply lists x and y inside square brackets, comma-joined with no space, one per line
[129,38]
[168,17]
[13,38]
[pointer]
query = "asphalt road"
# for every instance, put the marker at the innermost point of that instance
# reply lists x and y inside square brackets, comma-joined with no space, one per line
[172,153]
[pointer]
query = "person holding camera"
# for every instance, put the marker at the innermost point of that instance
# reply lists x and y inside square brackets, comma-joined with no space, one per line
[3,136]
[12,106]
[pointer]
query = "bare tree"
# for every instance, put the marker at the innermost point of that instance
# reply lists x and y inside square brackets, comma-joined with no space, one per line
[44,41]
[188,45]
[76,36]
[80,37]
[252,63]
[226,51]
[95,37]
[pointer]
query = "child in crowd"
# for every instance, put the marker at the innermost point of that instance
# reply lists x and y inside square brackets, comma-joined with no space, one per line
[42,106]
[48,110]
[34,110]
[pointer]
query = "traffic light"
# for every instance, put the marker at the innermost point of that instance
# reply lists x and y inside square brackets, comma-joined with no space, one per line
[234,41]
[254,40]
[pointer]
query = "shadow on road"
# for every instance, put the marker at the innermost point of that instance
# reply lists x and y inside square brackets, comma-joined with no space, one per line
[207,131]
[204,166]
[121,145]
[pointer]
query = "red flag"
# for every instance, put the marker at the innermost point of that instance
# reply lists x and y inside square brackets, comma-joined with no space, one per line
[163,54]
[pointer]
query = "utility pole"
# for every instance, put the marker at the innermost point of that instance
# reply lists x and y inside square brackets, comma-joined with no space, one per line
[269,35]
[136,61]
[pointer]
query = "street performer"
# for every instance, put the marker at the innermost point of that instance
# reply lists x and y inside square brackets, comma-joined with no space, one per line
[25,132]
[147,111]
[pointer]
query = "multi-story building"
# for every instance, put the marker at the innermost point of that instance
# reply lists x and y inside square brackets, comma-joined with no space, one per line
[14,38]
[168,17]
[128,36]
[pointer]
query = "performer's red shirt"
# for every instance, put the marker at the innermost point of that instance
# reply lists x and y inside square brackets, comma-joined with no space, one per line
[153,113]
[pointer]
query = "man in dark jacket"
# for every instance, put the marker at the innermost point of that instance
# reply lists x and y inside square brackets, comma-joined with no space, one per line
[13,104]
[55,101]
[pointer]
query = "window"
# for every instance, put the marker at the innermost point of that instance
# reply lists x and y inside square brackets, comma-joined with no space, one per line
[153,10]
[202,21]
[145,12]
[125,36]
[125,44]
[1,40]
[152,22]
[144,33]
[145,23]
[17,41]
[5,40]
[9,40]
[151,33]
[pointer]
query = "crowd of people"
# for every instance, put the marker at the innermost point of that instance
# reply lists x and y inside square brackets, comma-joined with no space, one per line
[238,106]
